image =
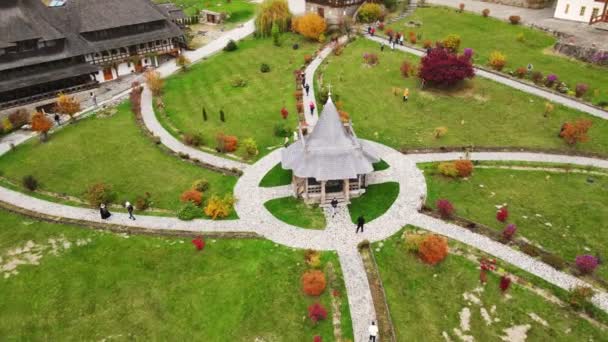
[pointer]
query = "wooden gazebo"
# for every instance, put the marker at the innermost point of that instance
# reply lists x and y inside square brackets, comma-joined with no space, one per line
[331,162]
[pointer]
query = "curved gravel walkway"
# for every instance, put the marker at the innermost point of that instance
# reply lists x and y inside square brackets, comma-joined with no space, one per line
[563,100]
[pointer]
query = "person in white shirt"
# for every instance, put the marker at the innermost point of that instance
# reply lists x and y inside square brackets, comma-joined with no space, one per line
[373,332]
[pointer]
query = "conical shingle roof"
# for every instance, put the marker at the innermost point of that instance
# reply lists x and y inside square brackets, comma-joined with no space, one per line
[329,152]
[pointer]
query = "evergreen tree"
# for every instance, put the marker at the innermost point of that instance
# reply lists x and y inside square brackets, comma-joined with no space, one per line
[204,114]
[222,117]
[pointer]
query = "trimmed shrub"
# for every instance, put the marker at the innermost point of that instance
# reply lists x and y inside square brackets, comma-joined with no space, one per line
[200,185]
[100,193]
[440,132]
[554,261]
[452,42]
[445,208]
[448,169]
[370,59]
[580,297]
[497,60]
[502,214]
[443,68]
[514,19]
[530,250]
[521,72]
[143,202]
[313,282]
[316,312]
[30,183]
[505,283]
[282,129]
[155,82]
[413,241]
[575,132]
[231,46]
[264,68]
[189,211]
[460,7]
[219,207]
[468,53]
[520,37]
[485,12]
[369,12]
[536,77]
[307,59]
[551,80]
[226,143]
[312,258]
[193,196]
[250,148]
[310,25]
[406,69]
[581,89]
[433,249]
[284,112]
[198,243]
[586,264]
[427,44]
[193,139]
[19,118]
[509,232]
[464,167]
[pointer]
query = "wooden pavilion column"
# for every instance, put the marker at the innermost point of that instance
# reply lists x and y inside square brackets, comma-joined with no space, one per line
[347,189]
[322,191]
[306,188]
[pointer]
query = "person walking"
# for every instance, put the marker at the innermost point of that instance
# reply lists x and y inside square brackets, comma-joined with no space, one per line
[373,31]
[129,207]
[406,94]
[334,207]
[401,40]
[104,212]
[312,108]
[360,223]
[57,119]
[369,30]
[307,88]
[381,46]
[373,332]
[94,98]
[390,39]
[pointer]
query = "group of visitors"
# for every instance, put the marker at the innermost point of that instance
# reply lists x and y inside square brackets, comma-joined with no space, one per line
[360,219]
[105,212]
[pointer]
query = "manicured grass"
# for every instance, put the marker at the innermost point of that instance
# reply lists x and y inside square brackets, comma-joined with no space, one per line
[111,150]
[381,165]
[376,200]
[485,35]
[250,111]
[239,10]
[575,208]
[479,113]
[152,288]
[426,301]
[277,176]
[296,212]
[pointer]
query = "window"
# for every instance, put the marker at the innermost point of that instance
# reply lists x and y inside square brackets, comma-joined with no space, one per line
[114,52]
[567,9]
[583,8]
[595,12]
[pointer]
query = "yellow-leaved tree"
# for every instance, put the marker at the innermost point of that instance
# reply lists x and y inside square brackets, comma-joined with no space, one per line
[67,105]
[310,25]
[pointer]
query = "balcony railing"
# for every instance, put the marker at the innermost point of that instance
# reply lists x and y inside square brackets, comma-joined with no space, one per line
[48,95]
[599,18]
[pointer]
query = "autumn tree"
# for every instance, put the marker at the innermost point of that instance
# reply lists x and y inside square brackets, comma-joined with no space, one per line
[310,25]
[433,249]
[154,82]
[67,105]
[442,67]
[41,124]
[575,132]
[272,12]
[183,62]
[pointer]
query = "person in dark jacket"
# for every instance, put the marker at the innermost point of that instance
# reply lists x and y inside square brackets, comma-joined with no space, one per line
[334,206]
[307,88]
[360,223]
[104,212]
[129,207]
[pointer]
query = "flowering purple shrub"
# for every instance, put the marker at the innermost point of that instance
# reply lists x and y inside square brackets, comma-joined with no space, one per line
[468,53]
[600,57]
[509,232]
[586,263]
[581,89]
[551,79]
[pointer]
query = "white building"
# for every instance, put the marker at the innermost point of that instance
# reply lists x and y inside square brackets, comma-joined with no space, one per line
[587,11]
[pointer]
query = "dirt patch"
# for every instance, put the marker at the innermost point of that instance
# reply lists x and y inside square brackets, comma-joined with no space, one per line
[466,90]
[517,333]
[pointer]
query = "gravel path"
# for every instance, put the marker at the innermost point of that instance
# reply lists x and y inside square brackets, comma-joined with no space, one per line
[563,100]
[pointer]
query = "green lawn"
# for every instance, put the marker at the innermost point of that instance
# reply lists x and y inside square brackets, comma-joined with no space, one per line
[479,113]
[485,35]
[239,10]
[250,111]
[381,165]
[152,288]
[111,150]
[277,176]
[426,301]
[575,209]
[295,212]
[376,200]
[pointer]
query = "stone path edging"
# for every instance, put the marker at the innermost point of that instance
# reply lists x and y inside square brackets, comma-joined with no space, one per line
[527,88]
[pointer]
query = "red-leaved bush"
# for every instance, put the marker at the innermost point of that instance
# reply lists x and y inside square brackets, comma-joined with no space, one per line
[316,312]
[313,282]
[317,339]
[193,196]
[574,132]
[433,249]
[444,68]
[284,113]
[586,264]
[505,283]
[445,208]
[502,214]
[199,243]
[464,167]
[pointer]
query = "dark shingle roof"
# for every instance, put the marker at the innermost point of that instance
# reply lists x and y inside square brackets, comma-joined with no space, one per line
[95,15]
[47,76]
[24,20]
[172,11]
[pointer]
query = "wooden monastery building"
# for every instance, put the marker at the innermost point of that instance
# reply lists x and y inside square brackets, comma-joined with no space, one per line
[53,46]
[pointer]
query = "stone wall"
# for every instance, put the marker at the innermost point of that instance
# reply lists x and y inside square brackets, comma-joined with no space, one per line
[583,53]
[535,4]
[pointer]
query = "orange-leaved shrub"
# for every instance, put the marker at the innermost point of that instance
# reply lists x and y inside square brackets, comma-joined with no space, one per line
[464,167]
[193,196]
[218,207]
[313,282]
[575,132]
[433,249]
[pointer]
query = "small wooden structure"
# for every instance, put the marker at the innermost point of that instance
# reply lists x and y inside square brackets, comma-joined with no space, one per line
[331,162]
[211,17]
